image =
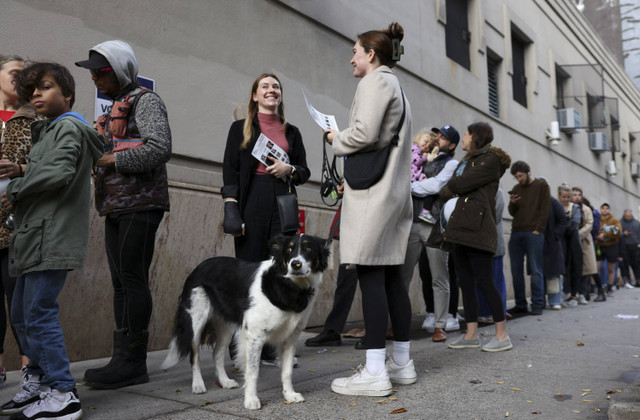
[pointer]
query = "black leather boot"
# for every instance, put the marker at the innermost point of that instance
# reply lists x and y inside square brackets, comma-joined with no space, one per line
[130,368]
[118,344]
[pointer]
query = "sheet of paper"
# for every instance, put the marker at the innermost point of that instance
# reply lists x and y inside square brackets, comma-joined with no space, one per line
[326,122]
[624,316]
[265,147]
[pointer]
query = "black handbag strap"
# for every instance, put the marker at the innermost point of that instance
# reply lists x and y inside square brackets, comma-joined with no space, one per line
[396,135]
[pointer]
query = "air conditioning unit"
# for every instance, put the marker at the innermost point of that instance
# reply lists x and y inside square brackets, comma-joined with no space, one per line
[569,119]
[598,142]
[635,170]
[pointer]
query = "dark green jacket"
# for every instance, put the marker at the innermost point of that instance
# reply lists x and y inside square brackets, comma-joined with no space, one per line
[473,221]
[52,199]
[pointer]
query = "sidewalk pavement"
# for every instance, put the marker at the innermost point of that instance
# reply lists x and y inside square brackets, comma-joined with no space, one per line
[577,363]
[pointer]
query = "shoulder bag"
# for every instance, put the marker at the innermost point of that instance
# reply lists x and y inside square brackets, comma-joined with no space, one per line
[362,170]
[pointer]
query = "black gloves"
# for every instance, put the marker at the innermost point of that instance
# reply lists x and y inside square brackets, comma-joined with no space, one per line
[232,223]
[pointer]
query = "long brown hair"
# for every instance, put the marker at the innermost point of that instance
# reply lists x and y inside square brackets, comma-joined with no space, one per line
[382,43]
[252,110]
[481,135]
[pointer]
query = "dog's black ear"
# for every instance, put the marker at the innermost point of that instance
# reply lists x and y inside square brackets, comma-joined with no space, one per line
[277,245]
[325,252]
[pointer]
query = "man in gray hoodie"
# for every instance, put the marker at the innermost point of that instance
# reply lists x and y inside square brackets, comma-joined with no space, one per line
[131,191]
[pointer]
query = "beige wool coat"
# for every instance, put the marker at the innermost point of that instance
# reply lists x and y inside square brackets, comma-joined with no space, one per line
[375,223]
[589,263]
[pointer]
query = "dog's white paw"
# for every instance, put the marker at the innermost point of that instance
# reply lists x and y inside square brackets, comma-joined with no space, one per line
[251,403]
[198,389]
[228,384]
[293,397]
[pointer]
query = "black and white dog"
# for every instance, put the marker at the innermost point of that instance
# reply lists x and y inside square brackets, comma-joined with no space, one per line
[264,302]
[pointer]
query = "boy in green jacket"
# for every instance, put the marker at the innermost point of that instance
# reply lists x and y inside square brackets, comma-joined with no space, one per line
[51,203]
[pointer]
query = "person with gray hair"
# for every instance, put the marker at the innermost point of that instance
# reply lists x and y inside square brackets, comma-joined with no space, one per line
[630,248]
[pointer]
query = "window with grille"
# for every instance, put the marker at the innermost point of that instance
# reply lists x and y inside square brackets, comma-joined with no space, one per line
[518,47]
[457,35]
[493,65]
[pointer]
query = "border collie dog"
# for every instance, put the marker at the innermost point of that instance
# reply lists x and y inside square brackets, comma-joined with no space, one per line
[263,302]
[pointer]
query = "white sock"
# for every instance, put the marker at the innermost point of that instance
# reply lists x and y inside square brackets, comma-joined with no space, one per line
[375,361]
[401,352]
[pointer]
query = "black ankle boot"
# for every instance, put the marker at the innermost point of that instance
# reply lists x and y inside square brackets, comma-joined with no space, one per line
[602,297]
[129,368]
[118,344]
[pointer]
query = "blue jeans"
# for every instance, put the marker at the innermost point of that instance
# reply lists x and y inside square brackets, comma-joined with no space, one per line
[34,313]
[529,244]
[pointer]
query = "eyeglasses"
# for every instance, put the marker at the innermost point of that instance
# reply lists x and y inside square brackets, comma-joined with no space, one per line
[100,72]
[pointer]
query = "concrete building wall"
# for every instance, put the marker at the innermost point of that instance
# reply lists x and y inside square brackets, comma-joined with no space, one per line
[204,56]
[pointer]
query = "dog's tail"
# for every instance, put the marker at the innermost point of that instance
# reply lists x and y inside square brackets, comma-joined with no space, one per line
[180,346]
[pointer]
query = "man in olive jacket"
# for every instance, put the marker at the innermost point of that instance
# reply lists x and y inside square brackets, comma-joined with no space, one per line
[529,204]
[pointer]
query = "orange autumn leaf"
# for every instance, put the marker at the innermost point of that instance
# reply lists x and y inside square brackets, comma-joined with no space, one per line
[398,411]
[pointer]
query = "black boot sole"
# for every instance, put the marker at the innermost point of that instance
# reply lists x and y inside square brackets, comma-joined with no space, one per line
[330,343]
[142,379]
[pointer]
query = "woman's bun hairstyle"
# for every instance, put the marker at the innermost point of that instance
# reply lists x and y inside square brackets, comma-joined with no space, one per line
[385,43]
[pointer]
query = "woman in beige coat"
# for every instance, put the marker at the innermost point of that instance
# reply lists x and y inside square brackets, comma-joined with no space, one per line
[376,221]
[589,263]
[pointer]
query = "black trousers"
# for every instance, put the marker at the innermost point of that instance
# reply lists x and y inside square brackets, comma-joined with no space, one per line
[130,240]
[261,218]
[475,268]
[630,259]
[342,299]
[383,293]
[8,284]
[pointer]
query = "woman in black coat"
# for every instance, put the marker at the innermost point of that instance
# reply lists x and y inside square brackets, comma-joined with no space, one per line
[471,229]
[250,187]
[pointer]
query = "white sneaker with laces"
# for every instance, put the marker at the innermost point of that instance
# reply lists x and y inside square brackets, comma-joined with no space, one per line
[404,375]
[452,323]
[29,393]
[429,323]
[55,404]
[363,383]
[628,286]
[582,300]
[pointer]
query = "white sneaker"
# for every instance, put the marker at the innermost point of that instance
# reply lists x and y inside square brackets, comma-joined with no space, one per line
[404,375]
[556,307]
[452,323]
[582,300]
[55,404]
[572,303]
[29,393]
[429,323]
[363,383]
[628,286]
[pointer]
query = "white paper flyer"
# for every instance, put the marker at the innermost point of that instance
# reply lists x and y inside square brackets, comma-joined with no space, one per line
[265,147]
[326,122]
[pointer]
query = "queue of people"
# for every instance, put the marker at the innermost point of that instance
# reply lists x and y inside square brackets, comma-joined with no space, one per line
[426,207]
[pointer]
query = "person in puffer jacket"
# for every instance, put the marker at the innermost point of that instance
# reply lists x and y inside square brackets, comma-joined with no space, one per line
[132,193]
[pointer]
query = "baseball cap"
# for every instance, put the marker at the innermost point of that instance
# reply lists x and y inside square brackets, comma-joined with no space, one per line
[95,61]
[448,132]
